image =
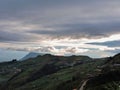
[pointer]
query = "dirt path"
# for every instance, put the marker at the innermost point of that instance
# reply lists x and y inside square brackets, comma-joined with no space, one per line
[84,83]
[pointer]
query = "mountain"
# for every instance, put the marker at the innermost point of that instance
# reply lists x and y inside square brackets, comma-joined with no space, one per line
[31,55]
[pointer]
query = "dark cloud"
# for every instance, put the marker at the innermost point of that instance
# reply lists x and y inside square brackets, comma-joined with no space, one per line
[28,9]
[8,36]
[23,8]
[82,30]
[109,44]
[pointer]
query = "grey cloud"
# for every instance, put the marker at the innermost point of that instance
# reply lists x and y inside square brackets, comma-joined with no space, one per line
[82,30]
[109,44]
[65,18]
[8,36]
[44,49]
[18,9]
[26,9]
[54,11]
[75,19]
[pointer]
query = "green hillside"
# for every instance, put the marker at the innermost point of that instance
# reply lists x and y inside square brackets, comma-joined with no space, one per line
[49,72]
[109,79]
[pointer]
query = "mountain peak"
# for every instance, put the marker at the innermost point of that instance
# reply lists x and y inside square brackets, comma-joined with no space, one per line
[31,55]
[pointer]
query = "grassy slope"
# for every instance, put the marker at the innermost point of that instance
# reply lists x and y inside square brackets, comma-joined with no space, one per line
[64,79]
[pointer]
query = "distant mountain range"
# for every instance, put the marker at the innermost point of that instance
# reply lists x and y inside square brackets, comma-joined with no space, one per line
[31,55]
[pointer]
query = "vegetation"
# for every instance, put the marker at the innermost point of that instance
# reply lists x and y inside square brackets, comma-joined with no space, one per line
[48,72]
[109,79]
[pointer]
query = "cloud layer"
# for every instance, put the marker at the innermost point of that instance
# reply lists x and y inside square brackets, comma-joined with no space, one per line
[60,27]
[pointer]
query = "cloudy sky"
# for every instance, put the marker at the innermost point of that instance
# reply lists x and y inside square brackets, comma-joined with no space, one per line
[60,27]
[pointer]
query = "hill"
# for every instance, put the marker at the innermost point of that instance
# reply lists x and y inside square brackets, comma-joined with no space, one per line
[48,72]
[109,79]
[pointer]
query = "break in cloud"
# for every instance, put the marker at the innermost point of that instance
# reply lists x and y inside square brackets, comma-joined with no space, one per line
[61,27]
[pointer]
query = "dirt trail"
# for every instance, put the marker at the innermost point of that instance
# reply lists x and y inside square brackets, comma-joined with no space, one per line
[84,83]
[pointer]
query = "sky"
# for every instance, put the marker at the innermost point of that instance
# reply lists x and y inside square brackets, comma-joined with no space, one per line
[60,27]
